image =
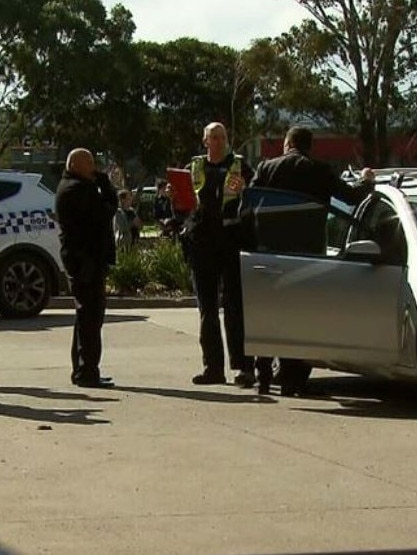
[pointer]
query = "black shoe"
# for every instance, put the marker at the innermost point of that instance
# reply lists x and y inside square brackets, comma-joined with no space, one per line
[245,380]
[208,379]
[104,379]
[288,391]
[264,389]
[96,384]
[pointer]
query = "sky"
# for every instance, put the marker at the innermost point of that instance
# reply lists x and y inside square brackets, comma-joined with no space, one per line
[227,22]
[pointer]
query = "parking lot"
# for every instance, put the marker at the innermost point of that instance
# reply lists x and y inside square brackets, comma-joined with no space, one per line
[159,466]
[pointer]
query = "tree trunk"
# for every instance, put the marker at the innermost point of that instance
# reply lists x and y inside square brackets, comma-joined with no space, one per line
[382,138]
[368,138]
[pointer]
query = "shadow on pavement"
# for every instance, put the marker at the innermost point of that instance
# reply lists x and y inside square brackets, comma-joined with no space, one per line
[57,415]
[206,396]
[45,393]
[45,322]
[364,397]
[6,551]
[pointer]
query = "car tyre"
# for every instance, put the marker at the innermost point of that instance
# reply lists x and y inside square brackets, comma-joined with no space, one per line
[25,286]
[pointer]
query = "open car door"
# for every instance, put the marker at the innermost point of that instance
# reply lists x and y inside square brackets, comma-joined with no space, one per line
[313,306]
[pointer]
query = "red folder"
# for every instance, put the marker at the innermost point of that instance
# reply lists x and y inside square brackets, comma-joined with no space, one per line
[183,197]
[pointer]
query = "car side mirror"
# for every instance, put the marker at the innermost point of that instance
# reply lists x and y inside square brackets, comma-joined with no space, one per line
[363,251]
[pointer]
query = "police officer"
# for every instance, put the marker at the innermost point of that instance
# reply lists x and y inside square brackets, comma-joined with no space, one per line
[85,205]
[295,170]
[212,236]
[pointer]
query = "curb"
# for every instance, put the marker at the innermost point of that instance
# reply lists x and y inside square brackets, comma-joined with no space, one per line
[130,302]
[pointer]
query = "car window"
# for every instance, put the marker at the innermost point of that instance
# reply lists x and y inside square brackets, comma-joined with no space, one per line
[283,221]
[9,189]
[337,226]
[380,223]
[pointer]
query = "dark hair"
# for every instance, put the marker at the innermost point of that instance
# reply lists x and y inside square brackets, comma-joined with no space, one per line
[300,138]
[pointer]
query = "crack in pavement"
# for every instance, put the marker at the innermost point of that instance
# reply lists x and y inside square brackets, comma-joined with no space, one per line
[209,514]
[300,450]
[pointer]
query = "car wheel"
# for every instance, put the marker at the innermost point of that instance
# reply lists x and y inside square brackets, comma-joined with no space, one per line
[24,286]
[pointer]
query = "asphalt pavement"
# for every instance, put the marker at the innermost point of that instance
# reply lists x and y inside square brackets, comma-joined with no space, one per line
[160,466]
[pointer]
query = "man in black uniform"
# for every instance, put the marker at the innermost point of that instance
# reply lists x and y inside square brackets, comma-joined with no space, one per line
[296,171]
[212,235]
[85,205]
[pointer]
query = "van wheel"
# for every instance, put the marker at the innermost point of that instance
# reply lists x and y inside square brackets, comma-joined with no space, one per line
[25,286]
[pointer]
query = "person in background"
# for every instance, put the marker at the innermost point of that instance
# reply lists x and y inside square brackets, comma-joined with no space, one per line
[212,238]
[162,210]
[126,221]
[85,205]
[296,171]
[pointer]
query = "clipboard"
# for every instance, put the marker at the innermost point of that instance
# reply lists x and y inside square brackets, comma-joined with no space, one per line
[183,198]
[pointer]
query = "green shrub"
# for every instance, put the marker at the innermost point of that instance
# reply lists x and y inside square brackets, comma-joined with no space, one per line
[154,264]
[168,266]
[131,271]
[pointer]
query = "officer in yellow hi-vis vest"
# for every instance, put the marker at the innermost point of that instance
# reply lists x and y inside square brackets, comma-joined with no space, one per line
[212,235]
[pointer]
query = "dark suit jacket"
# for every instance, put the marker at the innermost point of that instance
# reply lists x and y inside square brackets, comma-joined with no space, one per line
[297,172]
[85,211]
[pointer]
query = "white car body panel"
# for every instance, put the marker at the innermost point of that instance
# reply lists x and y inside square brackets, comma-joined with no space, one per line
[27,217]
[354,316]
[31,269]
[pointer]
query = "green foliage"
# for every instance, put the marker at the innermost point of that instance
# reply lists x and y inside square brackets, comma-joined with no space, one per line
[371,51]
[169,267]
[132,270]
[289,79]
[190,83]
[71,73]
[155,264]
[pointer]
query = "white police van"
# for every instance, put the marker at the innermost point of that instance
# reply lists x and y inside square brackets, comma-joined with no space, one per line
[31,270]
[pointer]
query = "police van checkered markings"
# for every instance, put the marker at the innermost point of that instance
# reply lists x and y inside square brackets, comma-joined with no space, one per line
[25,221]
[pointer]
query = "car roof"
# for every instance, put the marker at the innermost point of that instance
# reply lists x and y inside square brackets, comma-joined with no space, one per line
[23,177]
[404,179]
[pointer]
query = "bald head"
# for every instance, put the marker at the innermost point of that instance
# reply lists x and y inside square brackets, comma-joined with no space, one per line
[215,140]
[81,162]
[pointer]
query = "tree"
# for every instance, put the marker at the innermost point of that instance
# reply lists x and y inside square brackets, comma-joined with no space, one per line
[47,66]
[288,80]
[189,83]
[372,52]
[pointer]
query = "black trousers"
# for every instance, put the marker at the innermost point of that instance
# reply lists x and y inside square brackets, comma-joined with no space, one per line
[293,374]
[264,367]
[90,302]
[216,274]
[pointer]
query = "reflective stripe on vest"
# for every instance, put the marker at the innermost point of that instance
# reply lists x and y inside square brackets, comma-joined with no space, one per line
[198,175]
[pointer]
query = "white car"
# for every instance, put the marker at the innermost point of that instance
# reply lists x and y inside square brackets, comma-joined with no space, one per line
[352,308]
[30,265]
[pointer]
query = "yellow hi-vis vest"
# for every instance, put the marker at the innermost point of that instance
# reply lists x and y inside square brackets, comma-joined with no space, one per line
[198,176]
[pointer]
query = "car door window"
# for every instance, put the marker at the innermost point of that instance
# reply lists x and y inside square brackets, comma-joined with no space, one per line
[380,223]
[283,221]
[339,220]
